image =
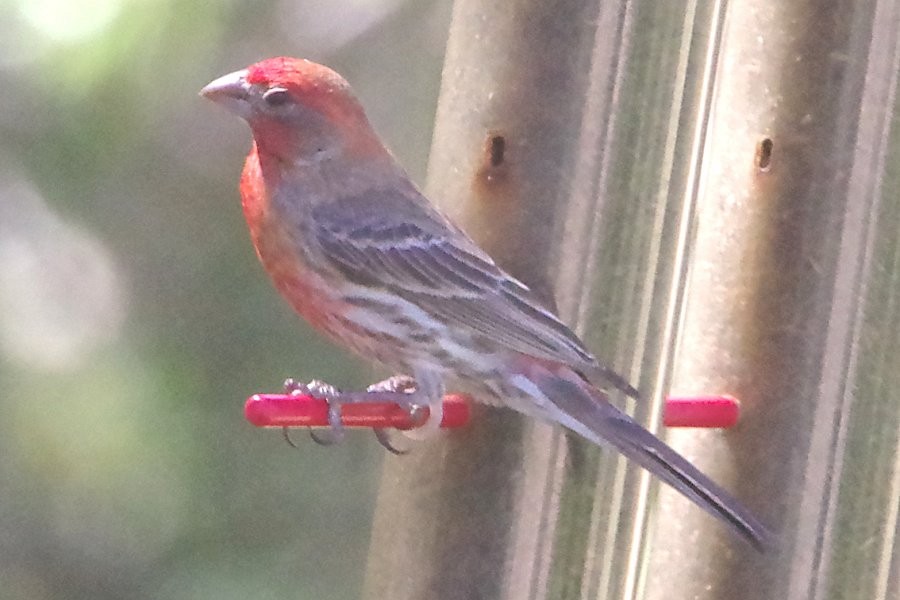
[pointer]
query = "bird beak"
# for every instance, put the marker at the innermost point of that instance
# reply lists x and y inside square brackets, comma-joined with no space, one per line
[231,91]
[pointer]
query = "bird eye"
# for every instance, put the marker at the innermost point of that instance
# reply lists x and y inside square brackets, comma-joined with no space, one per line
[276,96]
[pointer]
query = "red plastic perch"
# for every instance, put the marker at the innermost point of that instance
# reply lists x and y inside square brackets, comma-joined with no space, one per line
[282,410]
[701,411]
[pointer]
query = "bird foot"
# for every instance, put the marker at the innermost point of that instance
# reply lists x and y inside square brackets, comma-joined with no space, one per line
[399,384]
[322,391]
[399,389]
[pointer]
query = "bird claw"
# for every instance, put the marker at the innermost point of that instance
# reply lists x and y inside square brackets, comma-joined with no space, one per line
[406,385]
[384,439]
[286,434]
[395,384]
[398,385]
[334,436]
[322,391]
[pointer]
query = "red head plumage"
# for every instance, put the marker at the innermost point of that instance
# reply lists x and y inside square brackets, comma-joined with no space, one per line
[295,105]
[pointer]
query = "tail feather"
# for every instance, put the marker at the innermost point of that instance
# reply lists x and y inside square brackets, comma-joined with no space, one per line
[586,411]
[650,452]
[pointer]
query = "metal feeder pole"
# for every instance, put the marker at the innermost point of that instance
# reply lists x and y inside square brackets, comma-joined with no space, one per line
[697,205]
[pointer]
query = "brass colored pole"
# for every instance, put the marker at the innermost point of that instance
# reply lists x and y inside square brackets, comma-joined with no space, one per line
[793,305]
[565,141]
[704,189]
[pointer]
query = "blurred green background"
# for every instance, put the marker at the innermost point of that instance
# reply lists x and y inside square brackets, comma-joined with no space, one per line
[134,319]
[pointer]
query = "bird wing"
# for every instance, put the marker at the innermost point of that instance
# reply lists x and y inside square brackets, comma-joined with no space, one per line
[399,243]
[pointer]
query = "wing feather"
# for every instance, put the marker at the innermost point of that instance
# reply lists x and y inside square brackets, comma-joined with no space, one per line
[406,247]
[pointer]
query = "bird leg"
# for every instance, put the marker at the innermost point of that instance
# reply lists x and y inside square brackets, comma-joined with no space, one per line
[397,384]
[332,396]
[399,389]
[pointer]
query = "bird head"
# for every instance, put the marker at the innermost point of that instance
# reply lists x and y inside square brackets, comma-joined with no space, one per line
[298,110]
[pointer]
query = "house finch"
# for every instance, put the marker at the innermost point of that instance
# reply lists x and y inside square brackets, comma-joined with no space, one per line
[363,256]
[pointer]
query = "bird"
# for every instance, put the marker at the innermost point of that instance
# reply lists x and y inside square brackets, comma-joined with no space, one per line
[364,257]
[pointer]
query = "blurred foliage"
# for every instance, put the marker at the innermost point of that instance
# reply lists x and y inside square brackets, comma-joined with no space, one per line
[134,319]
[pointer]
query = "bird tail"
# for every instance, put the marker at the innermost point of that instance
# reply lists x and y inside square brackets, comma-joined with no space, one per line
[586,410]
